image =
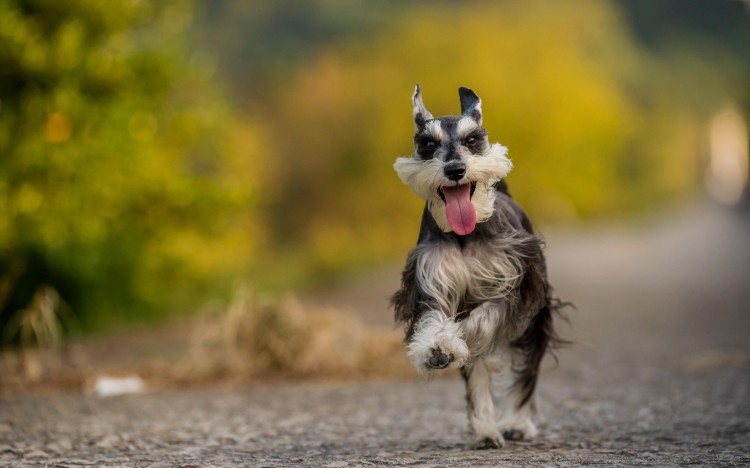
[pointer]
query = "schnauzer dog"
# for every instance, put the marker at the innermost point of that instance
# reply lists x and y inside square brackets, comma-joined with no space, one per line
[474,293]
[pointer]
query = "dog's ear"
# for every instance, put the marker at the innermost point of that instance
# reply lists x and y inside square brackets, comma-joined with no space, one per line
[471,104]
[421,114]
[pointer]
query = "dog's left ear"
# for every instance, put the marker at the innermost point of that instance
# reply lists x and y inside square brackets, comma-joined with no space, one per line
[471,104]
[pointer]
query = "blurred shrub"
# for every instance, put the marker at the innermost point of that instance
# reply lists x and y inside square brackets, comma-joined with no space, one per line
[123,176]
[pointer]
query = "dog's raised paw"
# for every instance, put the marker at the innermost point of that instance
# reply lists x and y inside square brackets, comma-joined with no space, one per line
[437,344]
[488,443]
[438,359]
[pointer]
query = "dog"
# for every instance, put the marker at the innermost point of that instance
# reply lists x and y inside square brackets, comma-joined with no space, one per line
[474,293]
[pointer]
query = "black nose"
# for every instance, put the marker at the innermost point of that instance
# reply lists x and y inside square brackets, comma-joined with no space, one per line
[455,171]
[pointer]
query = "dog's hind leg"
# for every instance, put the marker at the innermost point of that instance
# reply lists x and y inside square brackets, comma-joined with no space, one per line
[481,408]
[519,372]
[516,409]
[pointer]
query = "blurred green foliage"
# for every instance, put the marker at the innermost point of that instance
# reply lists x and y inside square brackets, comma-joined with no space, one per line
[124,184]
[132,184]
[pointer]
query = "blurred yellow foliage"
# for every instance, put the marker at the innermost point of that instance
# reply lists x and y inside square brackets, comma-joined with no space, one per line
[555,80]
[58,128]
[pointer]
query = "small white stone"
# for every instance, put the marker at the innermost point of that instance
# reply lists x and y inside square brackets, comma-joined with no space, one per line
[110,386]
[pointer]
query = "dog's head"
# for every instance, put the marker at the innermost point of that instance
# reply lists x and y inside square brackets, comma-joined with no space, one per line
[454,166]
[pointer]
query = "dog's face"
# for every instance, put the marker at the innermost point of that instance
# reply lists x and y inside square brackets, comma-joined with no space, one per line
[454,166]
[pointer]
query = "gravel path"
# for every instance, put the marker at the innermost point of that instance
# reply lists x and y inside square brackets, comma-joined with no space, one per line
[660,376]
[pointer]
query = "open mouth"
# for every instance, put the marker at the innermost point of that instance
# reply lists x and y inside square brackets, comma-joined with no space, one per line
[471,191]
[459,210]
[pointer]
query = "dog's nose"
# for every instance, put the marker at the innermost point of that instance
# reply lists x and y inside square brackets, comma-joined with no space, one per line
[455,171]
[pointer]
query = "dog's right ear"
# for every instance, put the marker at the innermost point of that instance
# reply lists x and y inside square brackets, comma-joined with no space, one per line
[471,104]
[421,114]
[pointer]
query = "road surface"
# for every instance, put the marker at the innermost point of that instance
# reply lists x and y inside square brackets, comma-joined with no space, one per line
[660,375]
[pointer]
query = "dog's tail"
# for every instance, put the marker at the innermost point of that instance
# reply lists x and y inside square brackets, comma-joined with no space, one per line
[538,339]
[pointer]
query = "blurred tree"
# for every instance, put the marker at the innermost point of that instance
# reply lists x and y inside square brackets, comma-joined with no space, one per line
[663,24]
[123,176]
[262,44]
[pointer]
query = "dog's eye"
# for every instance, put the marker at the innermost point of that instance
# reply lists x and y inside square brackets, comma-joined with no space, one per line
[474,142]
[427,146]
[473,139]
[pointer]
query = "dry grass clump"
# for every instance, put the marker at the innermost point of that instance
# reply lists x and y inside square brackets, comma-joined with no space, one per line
[255,336]
[35,329]
[258,335]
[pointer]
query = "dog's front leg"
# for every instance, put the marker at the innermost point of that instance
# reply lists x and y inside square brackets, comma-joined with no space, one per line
[437,343]
[492,323]
[482,327]
[481,408]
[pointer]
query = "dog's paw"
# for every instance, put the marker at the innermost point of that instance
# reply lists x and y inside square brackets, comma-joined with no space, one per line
[522,430]
[488,442]
[514,434]
[439,360]
[437,344]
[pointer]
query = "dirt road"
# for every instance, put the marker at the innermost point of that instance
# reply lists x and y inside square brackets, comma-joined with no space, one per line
[660,376]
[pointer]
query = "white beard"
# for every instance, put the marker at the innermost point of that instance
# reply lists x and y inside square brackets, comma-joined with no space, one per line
[424,177]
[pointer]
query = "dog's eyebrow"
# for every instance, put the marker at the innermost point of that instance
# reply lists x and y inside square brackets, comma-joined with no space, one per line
[434,128]
[466,126]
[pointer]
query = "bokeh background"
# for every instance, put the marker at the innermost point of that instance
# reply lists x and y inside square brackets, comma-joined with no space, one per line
[163,158]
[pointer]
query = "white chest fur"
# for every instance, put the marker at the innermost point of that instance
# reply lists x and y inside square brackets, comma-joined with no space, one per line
[477,273]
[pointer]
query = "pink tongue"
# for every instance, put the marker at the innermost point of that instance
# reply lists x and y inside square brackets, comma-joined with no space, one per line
[461,214]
